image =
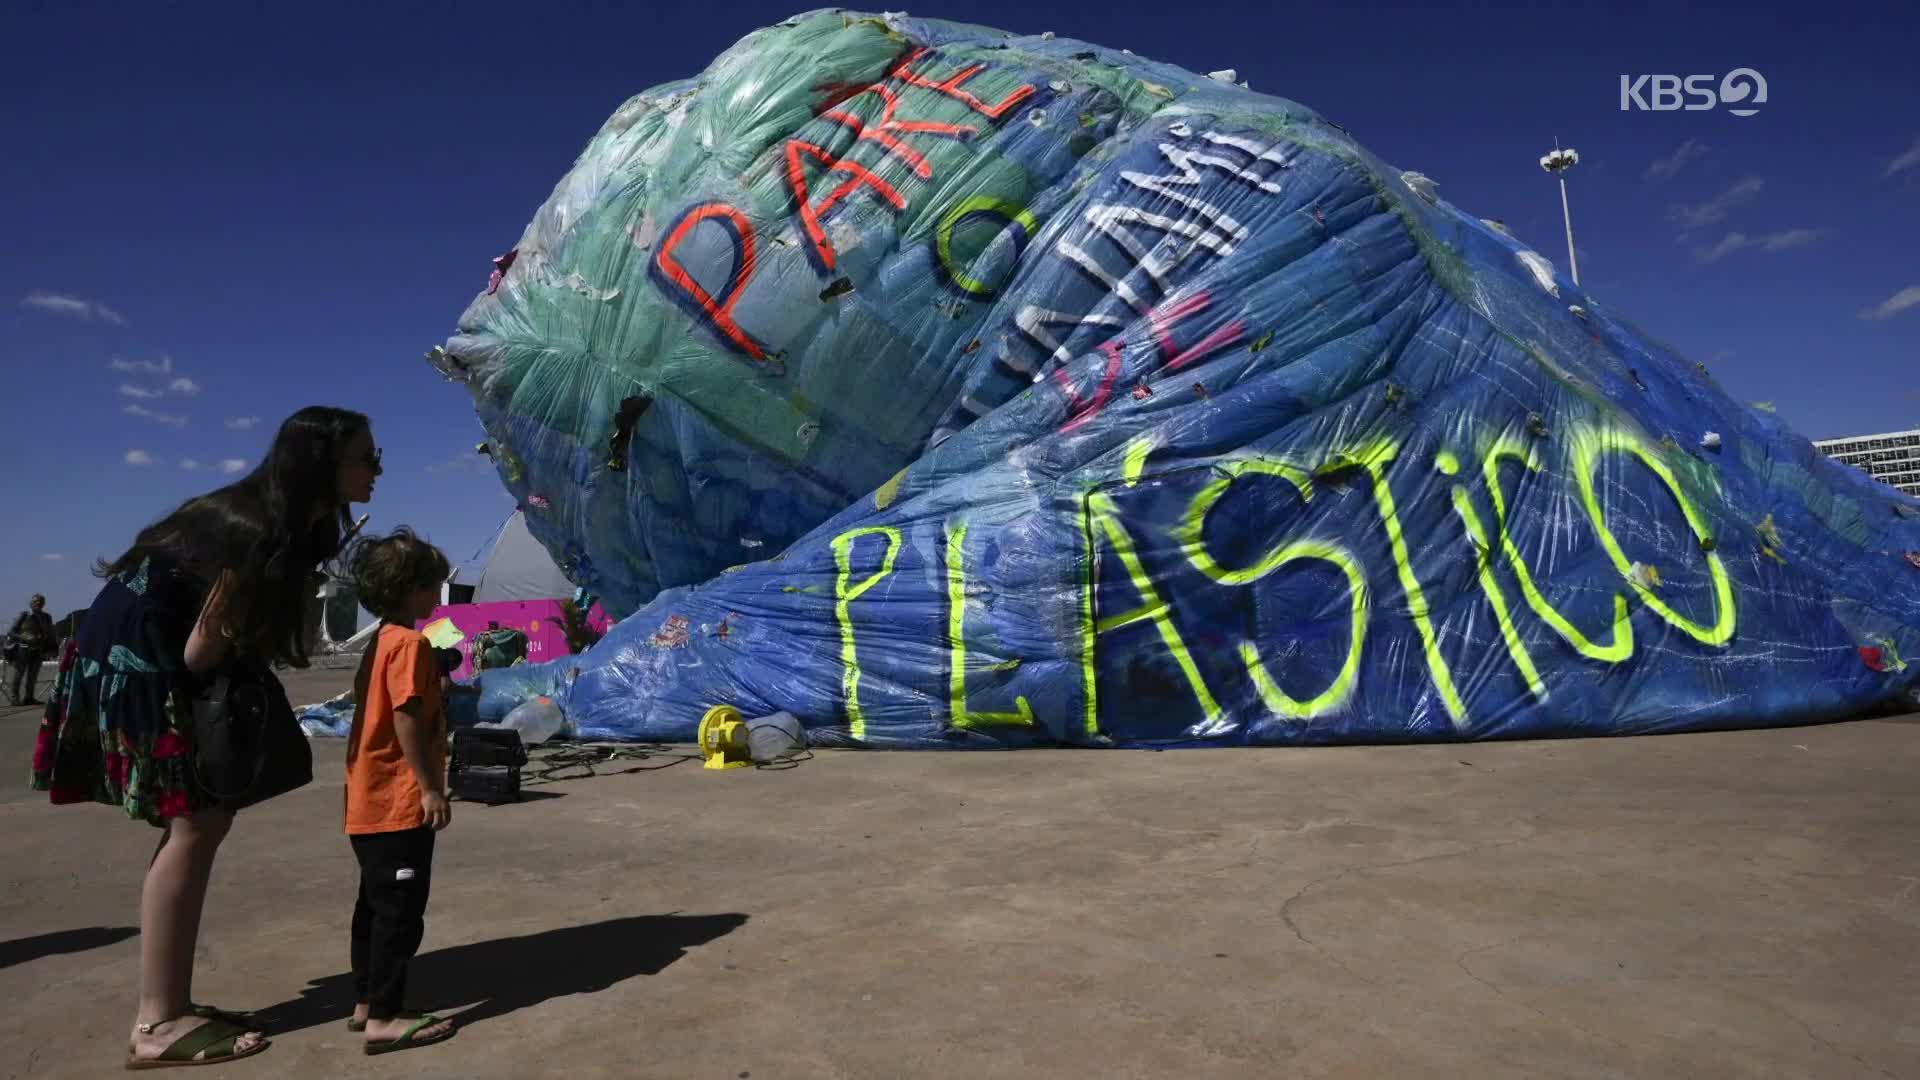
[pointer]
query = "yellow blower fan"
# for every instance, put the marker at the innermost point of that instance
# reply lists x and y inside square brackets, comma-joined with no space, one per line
[723,739]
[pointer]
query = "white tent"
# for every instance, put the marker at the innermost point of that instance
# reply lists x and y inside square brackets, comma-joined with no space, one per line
[515,567]
[518,568]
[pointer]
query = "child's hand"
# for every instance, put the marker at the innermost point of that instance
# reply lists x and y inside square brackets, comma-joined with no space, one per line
[438,810]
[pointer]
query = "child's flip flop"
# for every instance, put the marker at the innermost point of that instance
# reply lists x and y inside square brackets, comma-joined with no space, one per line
[407,1040]
[357,1026]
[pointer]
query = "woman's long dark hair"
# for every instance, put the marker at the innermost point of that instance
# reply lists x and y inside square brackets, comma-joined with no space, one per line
[263,530]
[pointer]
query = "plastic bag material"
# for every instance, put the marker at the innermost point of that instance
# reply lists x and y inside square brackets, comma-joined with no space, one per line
[329,719]
[948,388]
[537,721]
[770,738]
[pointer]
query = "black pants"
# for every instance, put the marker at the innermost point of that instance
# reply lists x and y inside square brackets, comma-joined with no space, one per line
[28,670]
[396,873]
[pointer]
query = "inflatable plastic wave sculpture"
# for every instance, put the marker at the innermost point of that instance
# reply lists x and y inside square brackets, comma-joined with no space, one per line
[948,388]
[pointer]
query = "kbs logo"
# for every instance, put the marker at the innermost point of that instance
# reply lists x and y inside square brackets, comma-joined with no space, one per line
[1743,88]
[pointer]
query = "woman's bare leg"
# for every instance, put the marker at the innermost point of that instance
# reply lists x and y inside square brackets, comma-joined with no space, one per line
[171,901]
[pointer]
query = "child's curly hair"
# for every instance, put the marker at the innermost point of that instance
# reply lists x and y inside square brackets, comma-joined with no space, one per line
[386,568]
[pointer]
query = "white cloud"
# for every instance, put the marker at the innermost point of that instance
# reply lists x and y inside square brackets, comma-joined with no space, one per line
[1785,240]
[52,556]
[191,465]
[244,423]
[233,465]
[182,386]
[1716,209]
[157,417]
[1908,297]
[1788,240]
[73,307]
[1905,161]
[162,366]
[1691,150]
[1728,244]
[139,457]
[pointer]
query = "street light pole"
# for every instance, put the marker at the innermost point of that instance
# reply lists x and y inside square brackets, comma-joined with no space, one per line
[1558,163]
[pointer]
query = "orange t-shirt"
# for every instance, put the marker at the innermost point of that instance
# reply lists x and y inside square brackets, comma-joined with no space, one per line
[382,794]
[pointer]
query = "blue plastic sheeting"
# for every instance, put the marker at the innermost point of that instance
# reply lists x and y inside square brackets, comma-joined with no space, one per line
[969,390]
[328,719]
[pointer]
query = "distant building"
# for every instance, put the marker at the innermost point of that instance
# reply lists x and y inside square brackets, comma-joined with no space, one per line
[1893,458]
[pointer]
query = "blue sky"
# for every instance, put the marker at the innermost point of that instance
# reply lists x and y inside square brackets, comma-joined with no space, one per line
[233,210]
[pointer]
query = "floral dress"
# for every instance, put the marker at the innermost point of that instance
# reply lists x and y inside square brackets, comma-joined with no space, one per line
[118,726]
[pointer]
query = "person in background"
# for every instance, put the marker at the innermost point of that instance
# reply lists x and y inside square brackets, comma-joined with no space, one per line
[32,636]
[396,785]
[219,585]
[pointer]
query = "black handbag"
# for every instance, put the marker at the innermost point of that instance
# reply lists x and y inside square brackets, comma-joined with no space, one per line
[248,746]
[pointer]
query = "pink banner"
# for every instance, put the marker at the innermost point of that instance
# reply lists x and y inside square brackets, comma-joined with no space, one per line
[538,619]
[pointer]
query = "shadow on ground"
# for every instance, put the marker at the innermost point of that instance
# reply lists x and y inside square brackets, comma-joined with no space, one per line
[506,974]
[526,795]
[21,950]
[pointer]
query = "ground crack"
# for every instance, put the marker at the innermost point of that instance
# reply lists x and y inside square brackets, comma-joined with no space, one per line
[1286,906]
[1832,1049]
[1461,963]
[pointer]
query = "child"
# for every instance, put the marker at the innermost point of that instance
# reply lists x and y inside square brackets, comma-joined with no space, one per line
[396,785]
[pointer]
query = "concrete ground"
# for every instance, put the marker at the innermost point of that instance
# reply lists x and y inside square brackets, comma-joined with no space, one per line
[1738,904]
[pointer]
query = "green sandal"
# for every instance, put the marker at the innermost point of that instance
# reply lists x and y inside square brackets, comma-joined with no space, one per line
[212,1043]
[407,1041]
[361,1025]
